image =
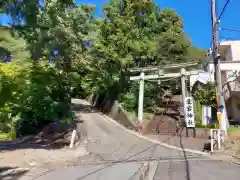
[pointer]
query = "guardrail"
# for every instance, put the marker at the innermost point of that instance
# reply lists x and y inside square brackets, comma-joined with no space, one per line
[160,120]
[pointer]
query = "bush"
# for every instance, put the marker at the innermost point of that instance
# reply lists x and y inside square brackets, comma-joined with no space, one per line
[31,99]
[129,99]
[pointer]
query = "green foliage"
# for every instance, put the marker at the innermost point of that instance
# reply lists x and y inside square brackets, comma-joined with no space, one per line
[14,46]
[29,100]
[205,94]
[58,25]
[196,53]
[88,55]
[12,82]
[46,99]
[135,34]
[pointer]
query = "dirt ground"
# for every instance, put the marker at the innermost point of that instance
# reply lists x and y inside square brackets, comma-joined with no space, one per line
[31,157]
[232,144]
[49,147]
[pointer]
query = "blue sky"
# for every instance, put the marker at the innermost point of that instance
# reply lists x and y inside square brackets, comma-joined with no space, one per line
[196,16]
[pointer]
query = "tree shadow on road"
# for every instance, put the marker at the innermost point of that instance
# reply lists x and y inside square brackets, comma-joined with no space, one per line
[84,108]
[46,139]
[11,173]
[55,135]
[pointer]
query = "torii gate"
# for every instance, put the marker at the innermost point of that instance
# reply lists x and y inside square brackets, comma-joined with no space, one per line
[158,73]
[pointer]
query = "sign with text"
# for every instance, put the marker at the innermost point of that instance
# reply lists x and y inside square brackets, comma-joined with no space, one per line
[189,111]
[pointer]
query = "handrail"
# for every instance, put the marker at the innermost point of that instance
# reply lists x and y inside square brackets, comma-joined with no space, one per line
[165,110]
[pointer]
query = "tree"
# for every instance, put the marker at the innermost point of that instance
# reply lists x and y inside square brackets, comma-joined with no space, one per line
[12,82]
[77,51]
[205,94]
[52,28]
[58,37]
[11,48]
[136,33]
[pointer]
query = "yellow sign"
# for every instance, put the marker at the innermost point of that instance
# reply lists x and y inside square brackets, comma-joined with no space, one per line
[219,116]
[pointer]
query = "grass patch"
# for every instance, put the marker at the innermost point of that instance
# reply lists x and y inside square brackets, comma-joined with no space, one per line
[232,144]
[7,136]
[66,121]
[209,126]
[132,115]
[146,116]
[234,133]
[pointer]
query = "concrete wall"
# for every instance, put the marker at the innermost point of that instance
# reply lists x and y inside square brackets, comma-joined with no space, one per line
[115,111]
[230,50]
[225,66]
[235,48]
[228,54]
[235,102]
[122,117]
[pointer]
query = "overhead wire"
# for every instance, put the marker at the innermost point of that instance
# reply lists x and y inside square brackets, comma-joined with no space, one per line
[229,29]
[223,10]
[220,16]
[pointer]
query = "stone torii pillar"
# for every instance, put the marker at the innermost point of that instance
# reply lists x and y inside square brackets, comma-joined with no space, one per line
[141,97]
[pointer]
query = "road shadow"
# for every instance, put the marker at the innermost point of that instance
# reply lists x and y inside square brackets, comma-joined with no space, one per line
[56,135]
[51,137]
[84,108]
[11,173]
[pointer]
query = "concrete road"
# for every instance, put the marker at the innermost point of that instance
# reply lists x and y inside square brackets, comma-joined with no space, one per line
[118,155]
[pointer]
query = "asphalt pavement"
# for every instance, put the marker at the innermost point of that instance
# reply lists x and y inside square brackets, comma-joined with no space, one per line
[115,154]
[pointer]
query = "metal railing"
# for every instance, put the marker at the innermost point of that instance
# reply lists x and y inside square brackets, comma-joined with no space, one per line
[216,139]
[160,120]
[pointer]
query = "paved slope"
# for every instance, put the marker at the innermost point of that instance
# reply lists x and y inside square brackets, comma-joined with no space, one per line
[118,155]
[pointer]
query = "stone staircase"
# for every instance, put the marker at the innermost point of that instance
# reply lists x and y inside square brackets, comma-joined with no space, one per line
[165,121]
[166,126]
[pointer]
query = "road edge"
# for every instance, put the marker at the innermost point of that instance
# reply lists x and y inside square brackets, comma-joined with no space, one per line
[152,140]
[165,144]
[230,160]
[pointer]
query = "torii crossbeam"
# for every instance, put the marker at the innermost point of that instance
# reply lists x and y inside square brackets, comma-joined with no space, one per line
[158,73]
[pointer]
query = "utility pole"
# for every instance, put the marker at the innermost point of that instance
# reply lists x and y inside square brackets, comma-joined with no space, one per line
[217,60]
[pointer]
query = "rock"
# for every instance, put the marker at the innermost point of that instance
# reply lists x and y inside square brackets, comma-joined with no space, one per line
[32,163]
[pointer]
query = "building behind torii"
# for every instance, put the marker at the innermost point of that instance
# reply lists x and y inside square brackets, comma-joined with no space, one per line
[160,73]
[230,72]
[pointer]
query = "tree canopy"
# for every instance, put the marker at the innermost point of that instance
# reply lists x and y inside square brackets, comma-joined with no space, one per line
[66,51]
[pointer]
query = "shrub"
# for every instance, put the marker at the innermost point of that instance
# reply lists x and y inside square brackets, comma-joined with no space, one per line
[32,98]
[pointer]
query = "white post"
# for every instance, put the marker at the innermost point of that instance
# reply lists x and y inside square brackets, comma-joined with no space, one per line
[73,138]
[183,86]
[211,140]
[141,96]
[219,138]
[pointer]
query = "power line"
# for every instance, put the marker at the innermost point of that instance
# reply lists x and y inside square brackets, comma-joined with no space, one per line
[225,6]
[229,29]
[224,38]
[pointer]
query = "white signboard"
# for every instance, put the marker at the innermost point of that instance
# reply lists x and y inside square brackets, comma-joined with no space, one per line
[206,115]
[189,111]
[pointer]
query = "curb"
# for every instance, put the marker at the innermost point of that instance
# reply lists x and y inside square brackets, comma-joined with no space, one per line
[149,139]
[228,160]
[154,141]
[164,144]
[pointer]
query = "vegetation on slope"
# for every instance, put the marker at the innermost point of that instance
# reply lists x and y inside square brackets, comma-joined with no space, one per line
[73,53]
